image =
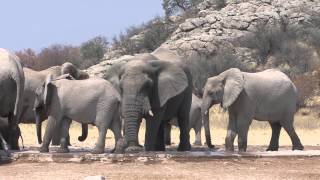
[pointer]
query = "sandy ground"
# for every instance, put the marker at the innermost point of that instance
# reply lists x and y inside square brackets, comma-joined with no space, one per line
[234,168]
[263,168]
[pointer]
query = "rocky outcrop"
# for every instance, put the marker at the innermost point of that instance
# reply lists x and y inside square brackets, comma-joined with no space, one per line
[216,29]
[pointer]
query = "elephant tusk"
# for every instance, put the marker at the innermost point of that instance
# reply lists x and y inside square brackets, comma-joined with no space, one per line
[151,113]
[205,113]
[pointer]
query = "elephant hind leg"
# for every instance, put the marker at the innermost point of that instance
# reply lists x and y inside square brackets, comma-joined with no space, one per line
[274,141]
[288,126]
[167,134]
[103,121]
[4,144]
[197,140]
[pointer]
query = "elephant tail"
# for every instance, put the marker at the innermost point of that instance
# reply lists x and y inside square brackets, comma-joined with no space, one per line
[18,77]
[84,134]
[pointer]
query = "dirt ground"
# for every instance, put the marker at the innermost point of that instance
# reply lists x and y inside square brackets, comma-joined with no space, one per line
[247,168]
[230,168]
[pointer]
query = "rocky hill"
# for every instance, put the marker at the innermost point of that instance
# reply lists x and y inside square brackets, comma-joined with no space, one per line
[216,30]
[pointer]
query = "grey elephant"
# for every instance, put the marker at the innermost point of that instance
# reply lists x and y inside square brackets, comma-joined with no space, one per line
[11,93]
[157,91]
[195,122]
[35,79]
[91,101]
[265,96]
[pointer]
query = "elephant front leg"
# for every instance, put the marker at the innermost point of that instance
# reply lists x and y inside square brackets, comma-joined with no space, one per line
[152,130]
[160,144]
[116,129]
[48,134]
[243,125]
[274,141]
[100,145]
[231,133]
[183,122]
[64,140]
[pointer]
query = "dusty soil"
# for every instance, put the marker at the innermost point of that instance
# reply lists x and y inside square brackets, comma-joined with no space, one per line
[231,168]
[247,168]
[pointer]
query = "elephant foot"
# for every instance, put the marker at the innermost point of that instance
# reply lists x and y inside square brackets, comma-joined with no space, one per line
[133,149]
[210,145]
[198,143]
[242,149]
[273,148]
[15,147]
[139,145]
[63,150]
[43,149]
[230,149]
[298,147]
[168,143]
[97,150]
[184,147]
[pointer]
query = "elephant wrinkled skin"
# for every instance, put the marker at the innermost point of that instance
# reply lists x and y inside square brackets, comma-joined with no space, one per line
[35,79]
[91,101]
[157,91]
[11,94]
[265,96]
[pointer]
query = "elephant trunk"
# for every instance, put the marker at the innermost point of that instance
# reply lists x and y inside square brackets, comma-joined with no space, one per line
[205,118]
[131,115]
[38,125]
[84,134]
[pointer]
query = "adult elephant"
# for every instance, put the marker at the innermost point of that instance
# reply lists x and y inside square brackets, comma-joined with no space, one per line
[11,93]
[265,96]
[195,122]
[35,79]
[158,91]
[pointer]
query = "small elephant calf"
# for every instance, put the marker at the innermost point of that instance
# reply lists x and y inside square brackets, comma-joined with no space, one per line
[91,101]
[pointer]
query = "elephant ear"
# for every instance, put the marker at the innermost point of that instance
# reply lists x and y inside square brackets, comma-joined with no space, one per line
[47,90]
[234,83]
[172,81]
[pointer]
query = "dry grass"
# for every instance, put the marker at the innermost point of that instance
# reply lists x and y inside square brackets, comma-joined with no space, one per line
[307,125]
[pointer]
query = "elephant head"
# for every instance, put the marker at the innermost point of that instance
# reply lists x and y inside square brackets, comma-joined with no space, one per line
[69,68]
[145,87]
[41,103]
[224,89]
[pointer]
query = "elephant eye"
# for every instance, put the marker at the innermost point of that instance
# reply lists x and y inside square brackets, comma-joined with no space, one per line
[211,93]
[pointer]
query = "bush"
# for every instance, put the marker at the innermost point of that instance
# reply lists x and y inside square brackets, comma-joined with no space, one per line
[204,67]
[172,7]
[93,51]
[307,86]
[288,44]
[28,58]
[90,53]
[143,38]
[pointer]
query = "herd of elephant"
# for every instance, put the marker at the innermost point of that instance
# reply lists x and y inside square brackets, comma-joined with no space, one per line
[155,86]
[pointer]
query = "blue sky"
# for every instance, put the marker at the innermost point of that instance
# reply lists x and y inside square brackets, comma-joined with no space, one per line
[39,23]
